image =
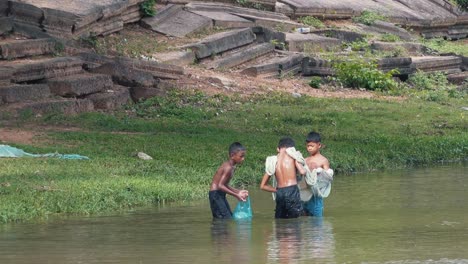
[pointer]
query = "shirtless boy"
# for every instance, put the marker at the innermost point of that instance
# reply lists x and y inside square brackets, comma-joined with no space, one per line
[288,201]
[315,160]
[220,184]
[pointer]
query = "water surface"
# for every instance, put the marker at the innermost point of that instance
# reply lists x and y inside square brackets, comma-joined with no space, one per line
[408,216]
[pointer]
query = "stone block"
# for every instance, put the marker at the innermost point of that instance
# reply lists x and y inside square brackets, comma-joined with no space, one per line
[316,66]
[446,64]
[229,8]
[26,13]
[157,69]
[125,75]
[79,85]
[458,78]
[143,93]
[241,56]
[310,42]
[343,35]
[33,70]
[6,25]
[391,46]
[179,24]
[23,92]
[225,20]
[110,99]
[221,42]
[62,106]
[179,58]
[6,75]
[33,31]
[28,47]
[275,66]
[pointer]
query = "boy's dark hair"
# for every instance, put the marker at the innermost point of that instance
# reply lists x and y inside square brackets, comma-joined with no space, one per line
[286,142]
[235,147]
[313,137]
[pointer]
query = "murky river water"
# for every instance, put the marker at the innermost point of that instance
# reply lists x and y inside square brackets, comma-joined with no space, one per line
[415,216]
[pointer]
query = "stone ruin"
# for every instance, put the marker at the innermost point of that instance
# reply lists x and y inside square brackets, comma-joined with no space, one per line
[40,72]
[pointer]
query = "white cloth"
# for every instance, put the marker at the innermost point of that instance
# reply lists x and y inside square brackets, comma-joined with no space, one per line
[316,182]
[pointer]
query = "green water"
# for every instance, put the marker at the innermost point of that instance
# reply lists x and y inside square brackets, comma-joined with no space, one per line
[414,216]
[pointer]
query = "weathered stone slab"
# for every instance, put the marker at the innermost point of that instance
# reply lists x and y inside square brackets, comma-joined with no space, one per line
[24,92]
[391,46]
[278,24]
[160,89]
[458,78]
[310,42]
[222,42]
[110,99]
[229,8]
[6,75]
[267,35]
[79,85]
[162,15]
[343,35]
[241,56]
[132,14]
[316,66]
[26,13]
[63,106]
[4,9]
[178,24]
[33,70]
[157,69]
[6,25]
[388,28]
[125,75]
[402,64]
[29,30]
[179,58]
[446,64]
[275,66]
[92,60]
[25,48]
[225,20]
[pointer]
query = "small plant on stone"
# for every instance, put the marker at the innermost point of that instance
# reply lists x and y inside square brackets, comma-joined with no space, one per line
[147,7]
[368,17]
[312,21]
[463,4]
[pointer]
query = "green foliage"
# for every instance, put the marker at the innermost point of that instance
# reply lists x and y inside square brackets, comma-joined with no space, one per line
[312,21]
[433,87]
[390,38]
[444,46]
[147,7]
[463,4]
[368,17]
[315,82]
[364,74]
[358,45]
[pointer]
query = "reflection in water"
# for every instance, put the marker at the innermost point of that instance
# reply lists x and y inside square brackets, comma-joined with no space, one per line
[296,240]
[231,240]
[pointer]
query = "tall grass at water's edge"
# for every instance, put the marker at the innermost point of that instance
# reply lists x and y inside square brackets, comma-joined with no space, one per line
[188,136]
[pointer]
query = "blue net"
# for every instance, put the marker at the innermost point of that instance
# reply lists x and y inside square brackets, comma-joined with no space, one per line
[243,211]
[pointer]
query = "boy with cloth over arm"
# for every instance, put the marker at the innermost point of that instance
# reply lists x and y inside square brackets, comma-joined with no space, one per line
[220,184]
[283,168]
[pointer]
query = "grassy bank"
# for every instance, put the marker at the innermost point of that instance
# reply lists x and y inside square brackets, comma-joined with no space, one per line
[188,135]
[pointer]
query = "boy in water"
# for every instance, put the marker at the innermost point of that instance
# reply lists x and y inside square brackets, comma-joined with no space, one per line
[315,161]
[220,184]
[283,167]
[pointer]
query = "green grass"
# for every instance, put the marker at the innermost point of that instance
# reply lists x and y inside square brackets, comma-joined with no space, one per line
[188,134]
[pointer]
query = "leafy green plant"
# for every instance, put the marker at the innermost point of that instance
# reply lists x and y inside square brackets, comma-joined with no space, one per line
[433,86]
[312,21]
[368,17]
[315,82]
[147,7]
[463,4]
[364,74]
[358,45]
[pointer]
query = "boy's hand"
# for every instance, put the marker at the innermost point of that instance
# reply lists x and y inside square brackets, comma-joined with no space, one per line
[243,194]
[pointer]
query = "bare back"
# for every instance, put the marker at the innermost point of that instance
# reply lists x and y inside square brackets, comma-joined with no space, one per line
[285,172]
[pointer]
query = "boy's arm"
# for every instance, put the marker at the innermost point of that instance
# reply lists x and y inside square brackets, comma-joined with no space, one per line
[300,168]
[223,185]
[264,184]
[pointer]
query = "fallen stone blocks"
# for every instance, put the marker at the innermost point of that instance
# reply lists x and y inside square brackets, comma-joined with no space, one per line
[241,56]
[26,48]
[79,85]
[277,66]
[111,98]
[445,64]
[14,93]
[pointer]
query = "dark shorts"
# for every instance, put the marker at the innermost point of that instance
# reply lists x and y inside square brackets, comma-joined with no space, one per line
[288,202]
[314,207]
[219,205]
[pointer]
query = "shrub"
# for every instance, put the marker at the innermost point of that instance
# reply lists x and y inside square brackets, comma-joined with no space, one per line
[147,7]
[315,82]
[368,17]
[390,38]
[364,74]
[463,4]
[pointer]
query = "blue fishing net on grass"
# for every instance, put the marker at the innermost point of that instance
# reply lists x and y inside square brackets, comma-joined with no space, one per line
[243,211]
[12,152]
